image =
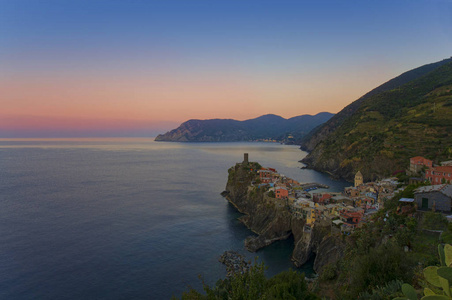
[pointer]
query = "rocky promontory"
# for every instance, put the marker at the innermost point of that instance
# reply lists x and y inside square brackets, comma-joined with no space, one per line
[272,221]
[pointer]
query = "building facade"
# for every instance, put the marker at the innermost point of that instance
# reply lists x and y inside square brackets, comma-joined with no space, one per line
[437,197]
[439,175]
[358,179]
[281,193]
[419,162]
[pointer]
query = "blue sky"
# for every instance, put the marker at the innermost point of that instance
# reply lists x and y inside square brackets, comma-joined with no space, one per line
[128,61]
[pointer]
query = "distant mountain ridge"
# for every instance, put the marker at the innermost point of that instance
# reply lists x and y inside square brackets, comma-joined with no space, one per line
[269,126]
[407,116]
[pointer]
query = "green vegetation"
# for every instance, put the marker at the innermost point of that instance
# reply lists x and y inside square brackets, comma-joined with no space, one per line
[387,291]
[265,127]
[436,280]
[434,221]
[392,249]
[253,166]
[254,285]
[397,245]
[446,236]
[391,126]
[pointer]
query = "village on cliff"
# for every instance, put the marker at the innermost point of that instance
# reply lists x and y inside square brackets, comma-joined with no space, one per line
[353,207]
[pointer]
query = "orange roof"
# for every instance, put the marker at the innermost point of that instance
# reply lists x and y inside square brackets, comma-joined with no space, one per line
[420,158]
[417,157]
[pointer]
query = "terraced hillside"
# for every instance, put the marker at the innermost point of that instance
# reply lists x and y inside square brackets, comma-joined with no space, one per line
[389,127]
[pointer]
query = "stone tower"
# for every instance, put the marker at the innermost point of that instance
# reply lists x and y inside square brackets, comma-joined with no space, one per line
[358,179]
[245,158]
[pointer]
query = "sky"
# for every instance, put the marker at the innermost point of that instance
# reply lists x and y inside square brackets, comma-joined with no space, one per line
[141,67]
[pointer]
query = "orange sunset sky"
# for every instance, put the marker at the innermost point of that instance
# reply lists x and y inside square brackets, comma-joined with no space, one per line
[138,68]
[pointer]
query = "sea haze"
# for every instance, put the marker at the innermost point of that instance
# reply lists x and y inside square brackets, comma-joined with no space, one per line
[125,218]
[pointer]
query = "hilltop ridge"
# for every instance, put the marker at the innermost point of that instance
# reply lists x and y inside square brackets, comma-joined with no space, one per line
[266,127]
[407,116]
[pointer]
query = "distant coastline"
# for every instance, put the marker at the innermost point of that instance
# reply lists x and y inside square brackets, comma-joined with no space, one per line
[267,128]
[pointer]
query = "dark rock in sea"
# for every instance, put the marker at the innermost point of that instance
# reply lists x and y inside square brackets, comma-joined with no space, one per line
[234,262]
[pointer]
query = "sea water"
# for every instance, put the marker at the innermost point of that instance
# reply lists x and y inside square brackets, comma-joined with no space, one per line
[126,218]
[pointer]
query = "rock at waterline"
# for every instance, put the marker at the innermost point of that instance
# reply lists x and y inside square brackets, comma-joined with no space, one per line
[234,262]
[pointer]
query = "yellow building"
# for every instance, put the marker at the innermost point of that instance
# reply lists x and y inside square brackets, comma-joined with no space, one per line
[358,179]
[309,214]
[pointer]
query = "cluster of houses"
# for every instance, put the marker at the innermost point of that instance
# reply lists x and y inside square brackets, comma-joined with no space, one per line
[355,205]
[345,211]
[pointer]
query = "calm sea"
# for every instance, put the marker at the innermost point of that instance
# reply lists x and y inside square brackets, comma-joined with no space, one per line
[125,218]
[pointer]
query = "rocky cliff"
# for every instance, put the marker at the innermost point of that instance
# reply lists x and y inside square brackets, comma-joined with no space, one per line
[271,221]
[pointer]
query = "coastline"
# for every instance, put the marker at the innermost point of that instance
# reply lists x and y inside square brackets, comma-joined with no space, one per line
[273,222]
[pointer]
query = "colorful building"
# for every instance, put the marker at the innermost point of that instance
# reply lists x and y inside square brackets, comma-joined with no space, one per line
[437,197]
[309,215]
[281,192]
[418,162]
[321,197]
[266,175]
[351,218]
[439,175]
[351,191]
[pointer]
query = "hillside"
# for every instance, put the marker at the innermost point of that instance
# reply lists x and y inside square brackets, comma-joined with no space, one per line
[311,140]
[227,130]
[377,134]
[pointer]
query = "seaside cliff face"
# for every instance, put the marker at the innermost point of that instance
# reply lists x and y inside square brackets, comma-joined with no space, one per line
[272,221]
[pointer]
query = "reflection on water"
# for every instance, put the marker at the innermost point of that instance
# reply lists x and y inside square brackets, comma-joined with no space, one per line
[125,218]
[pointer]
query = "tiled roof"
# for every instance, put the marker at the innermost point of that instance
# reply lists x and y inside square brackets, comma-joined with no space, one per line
[445,189]
[417,157]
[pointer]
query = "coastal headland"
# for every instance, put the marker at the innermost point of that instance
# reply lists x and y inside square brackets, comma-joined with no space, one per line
[268,213]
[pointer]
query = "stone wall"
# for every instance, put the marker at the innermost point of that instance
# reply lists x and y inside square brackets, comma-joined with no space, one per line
[442,202]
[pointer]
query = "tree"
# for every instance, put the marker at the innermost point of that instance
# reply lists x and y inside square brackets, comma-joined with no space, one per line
[253,285]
